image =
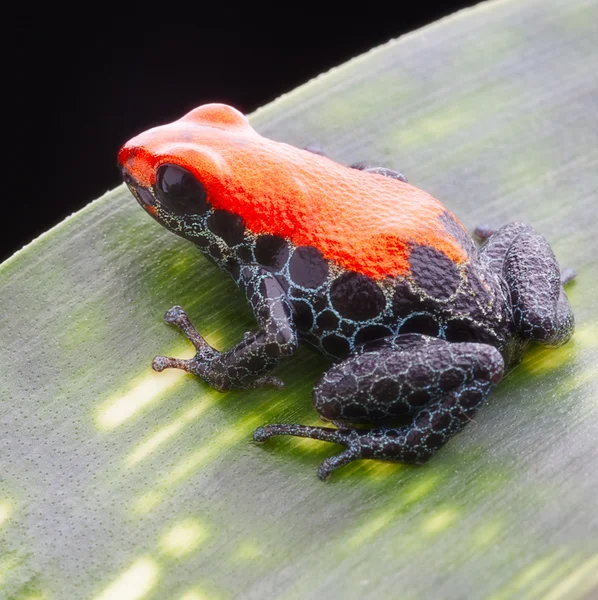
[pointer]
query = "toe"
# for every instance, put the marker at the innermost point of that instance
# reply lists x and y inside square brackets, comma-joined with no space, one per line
[260,435]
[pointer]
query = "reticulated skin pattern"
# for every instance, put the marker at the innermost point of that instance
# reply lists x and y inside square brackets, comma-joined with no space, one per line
[375,273]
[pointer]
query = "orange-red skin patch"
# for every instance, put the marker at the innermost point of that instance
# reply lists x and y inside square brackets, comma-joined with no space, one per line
[362,221]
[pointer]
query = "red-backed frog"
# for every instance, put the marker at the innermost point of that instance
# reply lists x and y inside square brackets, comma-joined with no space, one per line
[372,271]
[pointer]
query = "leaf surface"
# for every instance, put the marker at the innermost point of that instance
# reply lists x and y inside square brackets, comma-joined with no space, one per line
[117,482]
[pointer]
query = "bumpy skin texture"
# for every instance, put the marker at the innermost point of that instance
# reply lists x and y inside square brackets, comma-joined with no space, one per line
[423,324]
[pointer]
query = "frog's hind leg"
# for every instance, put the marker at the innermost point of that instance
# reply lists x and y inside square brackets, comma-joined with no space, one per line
[439,385]
[522,257]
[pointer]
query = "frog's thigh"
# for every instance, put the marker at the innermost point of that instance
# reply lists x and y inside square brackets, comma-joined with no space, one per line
[524,259]
[404,376]
[442,384]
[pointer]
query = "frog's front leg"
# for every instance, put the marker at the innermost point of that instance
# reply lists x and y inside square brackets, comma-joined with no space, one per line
[439,384]
[244,365]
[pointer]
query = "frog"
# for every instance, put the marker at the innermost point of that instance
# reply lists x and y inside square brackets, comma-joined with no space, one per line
[420,321]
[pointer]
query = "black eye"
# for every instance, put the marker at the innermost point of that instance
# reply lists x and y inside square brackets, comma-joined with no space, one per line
[179,191]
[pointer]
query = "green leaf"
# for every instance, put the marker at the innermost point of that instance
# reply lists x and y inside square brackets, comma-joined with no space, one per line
[118,482]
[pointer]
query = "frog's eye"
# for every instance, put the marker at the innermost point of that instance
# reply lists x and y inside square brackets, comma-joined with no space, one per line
[179,191]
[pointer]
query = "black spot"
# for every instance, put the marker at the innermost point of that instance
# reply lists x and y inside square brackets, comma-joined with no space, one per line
[424,324]
[303,315]
[357,297]
[451,379]
[215,252]
[419,398]
[327,320]
[399,408]
[271,251]
[470,398]
[329,409]
[434,440]
[244,253]
[255,363]
[440,420]
[336,346]
[434,272]
[201,241]
[372,332]
[386,389]
[459,330]
[320,303]
[179,191]
[308,268]
[228,226]
[354,411]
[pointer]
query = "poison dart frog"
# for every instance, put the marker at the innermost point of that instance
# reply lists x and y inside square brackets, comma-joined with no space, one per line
[374,272]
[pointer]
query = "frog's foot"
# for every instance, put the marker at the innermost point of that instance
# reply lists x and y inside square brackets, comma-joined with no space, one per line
[351,438]
[380,443]
[198,367]
[205,362]
[178,317]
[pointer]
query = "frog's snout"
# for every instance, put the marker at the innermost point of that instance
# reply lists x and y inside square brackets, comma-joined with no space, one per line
[142,195]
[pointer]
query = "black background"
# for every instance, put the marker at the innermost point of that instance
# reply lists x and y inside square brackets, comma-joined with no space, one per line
[82,80]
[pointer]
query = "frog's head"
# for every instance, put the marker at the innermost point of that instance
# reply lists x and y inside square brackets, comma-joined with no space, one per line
[176,171]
